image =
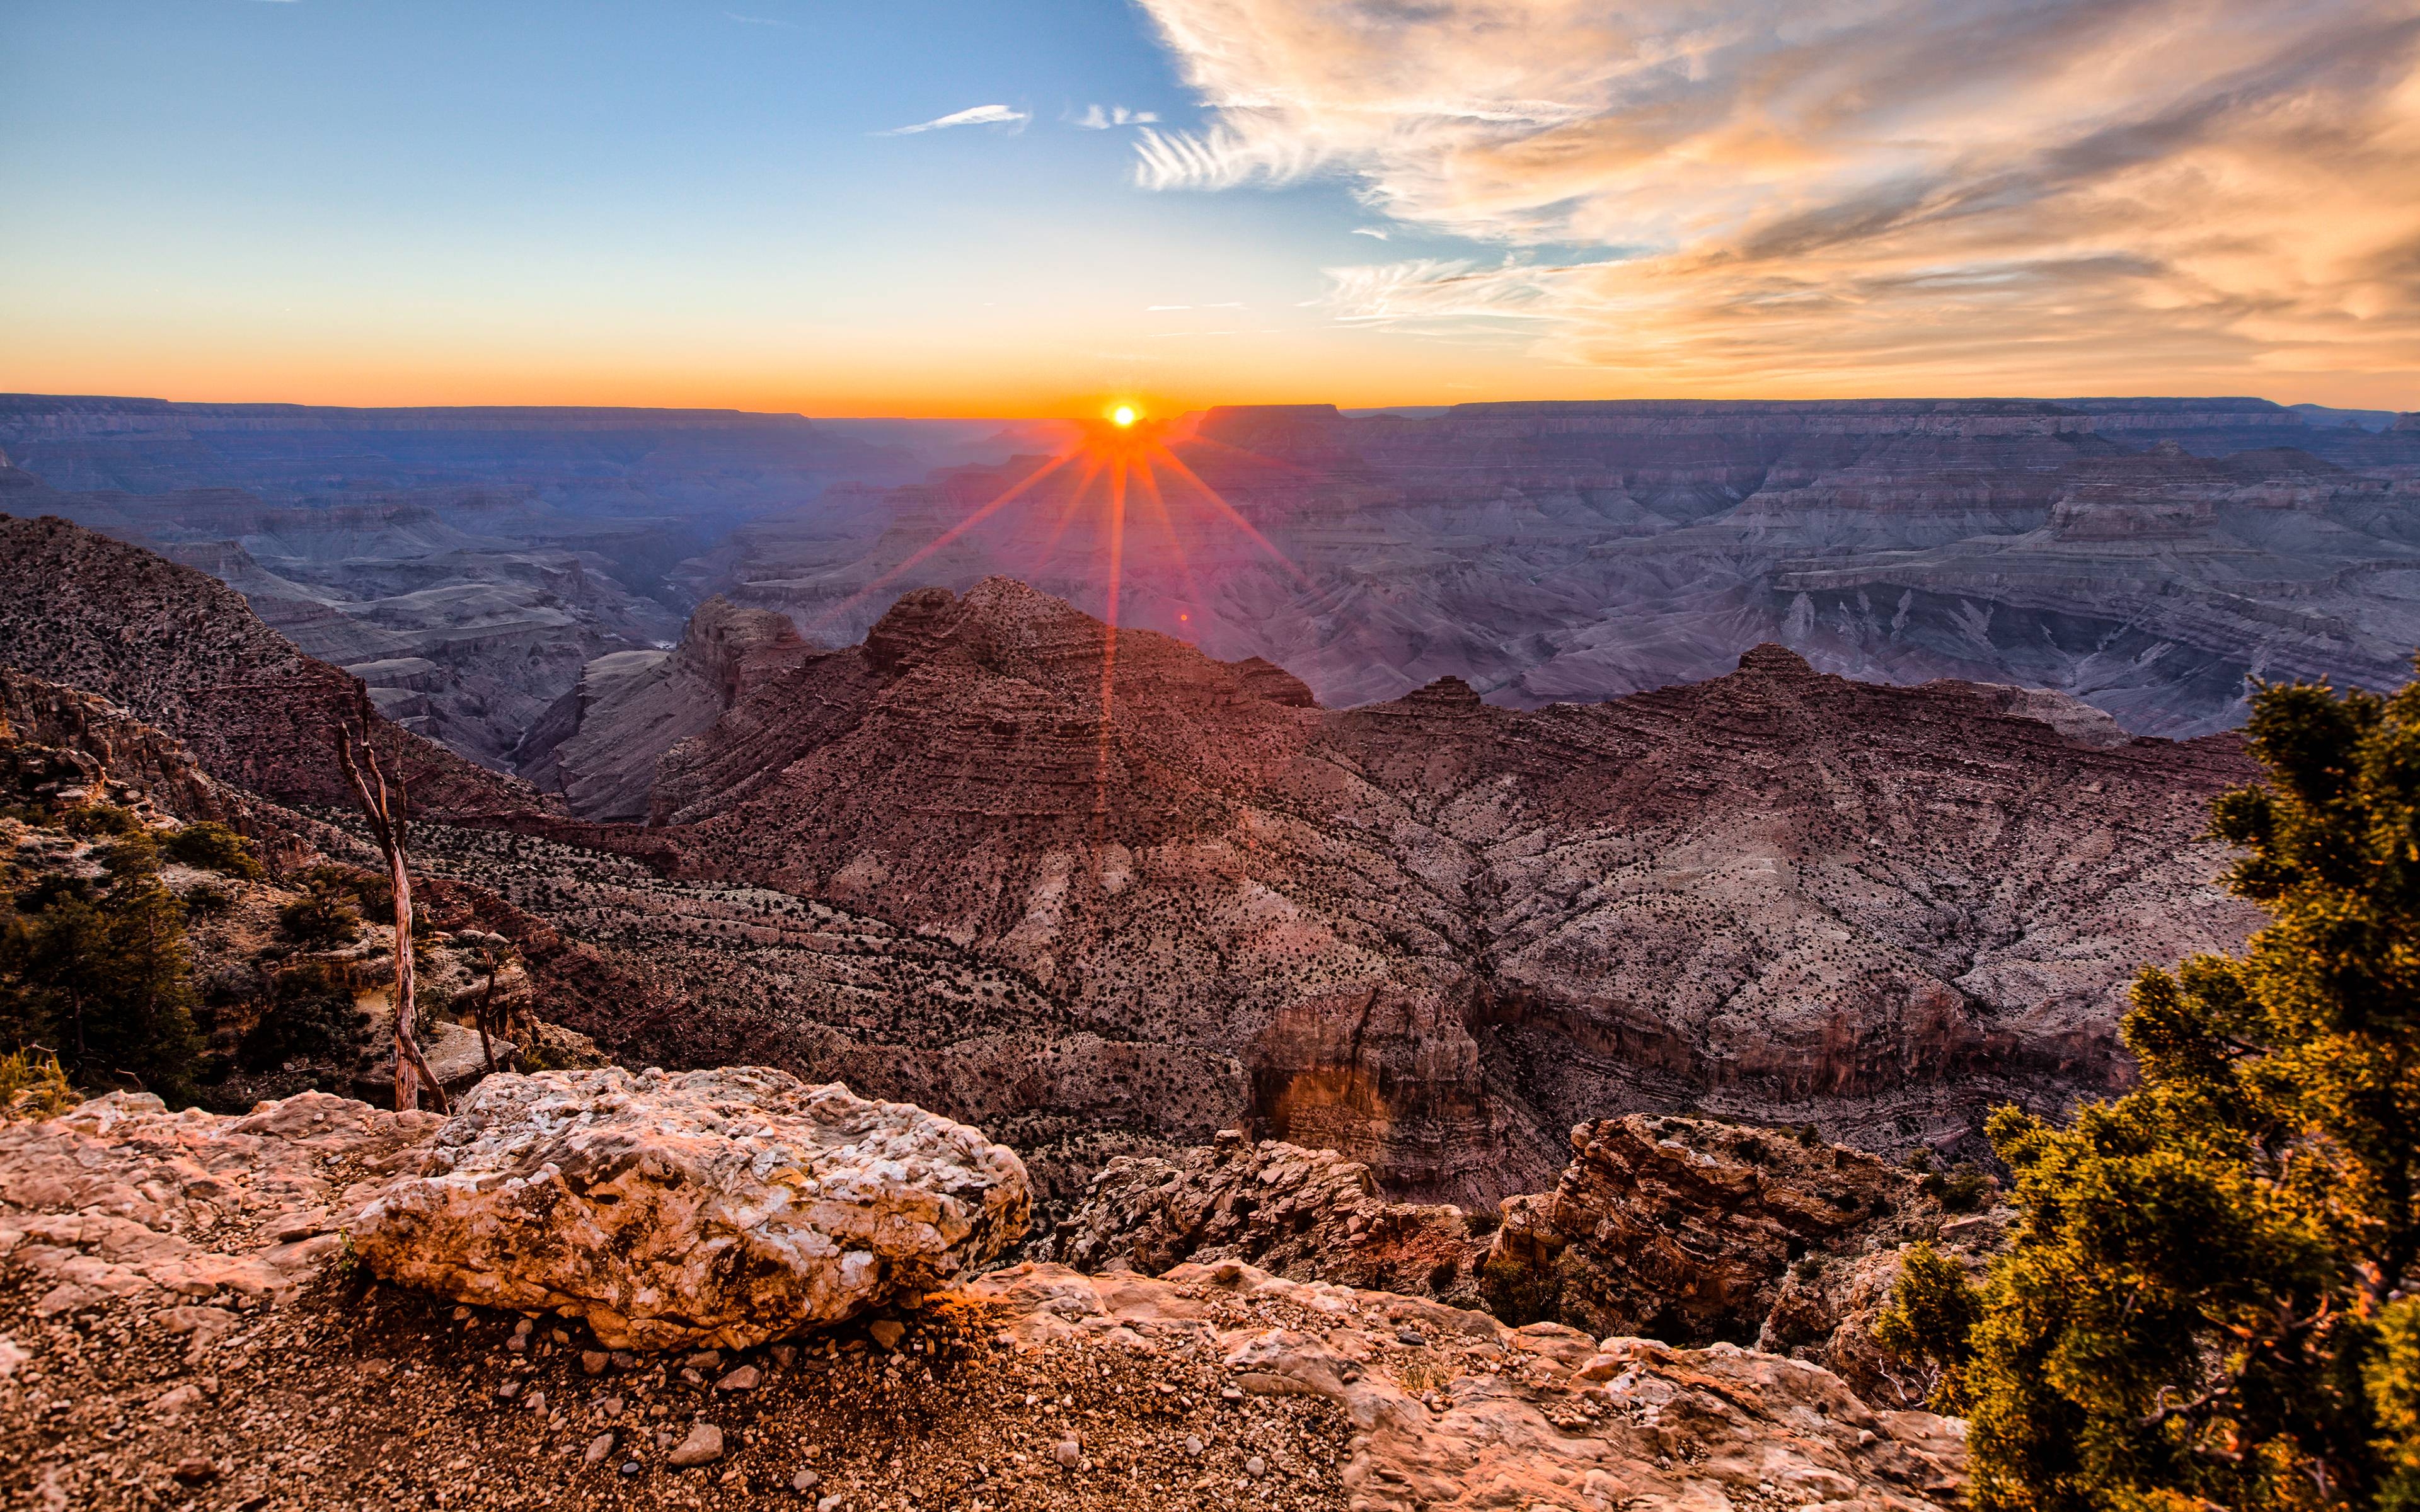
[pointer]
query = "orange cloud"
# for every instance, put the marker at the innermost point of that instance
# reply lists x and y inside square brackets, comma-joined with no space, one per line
[1865,195]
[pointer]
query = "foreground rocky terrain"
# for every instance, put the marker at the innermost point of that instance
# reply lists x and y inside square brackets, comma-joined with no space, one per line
[1690,1230]
[179,1326]
[2144,555]
[1437,934]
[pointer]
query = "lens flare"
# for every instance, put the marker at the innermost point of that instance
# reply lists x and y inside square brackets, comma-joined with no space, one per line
[1114,467]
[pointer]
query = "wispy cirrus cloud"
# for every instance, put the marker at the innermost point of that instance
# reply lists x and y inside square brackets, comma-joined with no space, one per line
[1097,118]
[1877,195]
[975,115]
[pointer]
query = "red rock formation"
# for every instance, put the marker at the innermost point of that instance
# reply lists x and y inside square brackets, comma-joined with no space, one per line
[182,651]
[1308,1214]
[1437,932]
[1685,1230]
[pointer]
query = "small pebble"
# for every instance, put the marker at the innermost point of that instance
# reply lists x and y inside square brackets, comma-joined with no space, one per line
[704,1360]
[536,1401]
[743,1379]
[805,1480]
[598,1447]
[631,1467]
[887,1332]
[703,1447]
[594,1361]
[1067,1451]
[1256,1467]
[1193,1444]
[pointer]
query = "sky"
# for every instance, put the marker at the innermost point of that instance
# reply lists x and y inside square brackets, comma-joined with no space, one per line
[1039,207]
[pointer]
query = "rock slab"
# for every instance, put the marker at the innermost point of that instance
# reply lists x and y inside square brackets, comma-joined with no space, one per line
[719,1208]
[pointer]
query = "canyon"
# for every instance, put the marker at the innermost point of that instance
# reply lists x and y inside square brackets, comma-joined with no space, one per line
[486,571]
[1434,932]
[1105,895]
[2147,556]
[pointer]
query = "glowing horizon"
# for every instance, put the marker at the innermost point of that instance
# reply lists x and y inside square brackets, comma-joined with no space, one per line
[1034,208]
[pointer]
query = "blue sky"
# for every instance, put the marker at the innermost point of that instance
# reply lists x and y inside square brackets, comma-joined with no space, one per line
[379,199]
[425,201]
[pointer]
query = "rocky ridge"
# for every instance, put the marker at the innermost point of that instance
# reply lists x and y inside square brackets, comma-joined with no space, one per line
[2145,555]
[1436,932]
[176,1322]
[180,650]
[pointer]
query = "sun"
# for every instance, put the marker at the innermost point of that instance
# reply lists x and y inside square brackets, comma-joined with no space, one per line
[1123,415]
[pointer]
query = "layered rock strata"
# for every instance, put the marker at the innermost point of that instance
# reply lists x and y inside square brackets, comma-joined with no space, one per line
[1437,934]
[1308,1214]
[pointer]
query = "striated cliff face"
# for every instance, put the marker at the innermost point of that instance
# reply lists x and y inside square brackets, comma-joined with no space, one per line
[1436,933]
[183,651]
[599,745]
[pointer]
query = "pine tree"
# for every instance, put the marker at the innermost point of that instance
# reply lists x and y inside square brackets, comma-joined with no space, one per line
[2207,1301]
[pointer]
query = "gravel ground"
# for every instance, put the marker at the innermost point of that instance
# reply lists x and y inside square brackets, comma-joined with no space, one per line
[357,1394]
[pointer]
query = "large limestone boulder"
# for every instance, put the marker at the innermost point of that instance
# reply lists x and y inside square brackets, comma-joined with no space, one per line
[722,1207]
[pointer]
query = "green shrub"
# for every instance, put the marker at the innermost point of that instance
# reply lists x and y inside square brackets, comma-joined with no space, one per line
[317,921]
[310,1015]
[92,819]
[32,1086]
[213,847]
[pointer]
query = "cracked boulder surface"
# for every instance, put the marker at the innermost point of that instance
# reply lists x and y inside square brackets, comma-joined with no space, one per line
[298,1383]
[710,1208]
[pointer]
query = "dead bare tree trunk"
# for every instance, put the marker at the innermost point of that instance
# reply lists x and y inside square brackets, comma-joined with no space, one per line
[385,810]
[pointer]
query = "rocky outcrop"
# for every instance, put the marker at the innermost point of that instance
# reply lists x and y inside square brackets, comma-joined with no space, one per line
[182,651]
[177,1323]
[58,745]
[122,1200]
[633,707]
[1693,1230]
[1455,1410]
[718,1208]
[1690,1230]
[1310,1214]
